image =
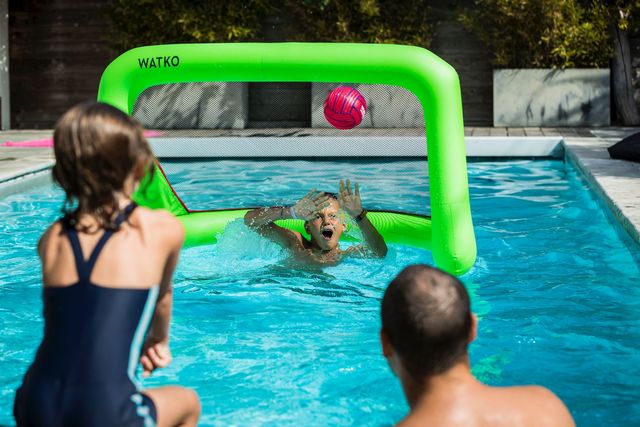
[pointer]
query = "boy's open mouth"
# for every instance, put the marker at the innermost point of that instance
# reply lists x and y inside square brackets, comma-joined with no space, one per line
[327,233]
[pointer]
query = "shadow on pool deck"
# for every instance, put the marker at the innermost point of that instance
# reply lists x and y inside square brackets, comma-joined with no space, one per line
[616,181]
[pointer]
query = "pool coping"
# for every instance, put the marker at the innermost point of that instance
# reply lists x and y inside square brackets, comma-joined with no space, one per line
[278,147]
[617,182]
[25,181]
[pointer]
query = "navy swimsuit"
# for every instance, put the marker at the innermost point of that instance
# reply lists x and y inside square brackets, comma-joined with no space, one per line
[84,370]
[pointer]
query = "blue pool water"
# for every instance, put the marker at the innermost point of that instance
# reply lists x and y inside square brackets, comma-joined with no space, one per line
[555,286]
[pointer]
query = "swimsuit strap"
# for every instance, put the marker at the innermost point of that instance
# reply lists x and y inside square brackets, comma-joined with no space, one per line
[72,233]
[84,268]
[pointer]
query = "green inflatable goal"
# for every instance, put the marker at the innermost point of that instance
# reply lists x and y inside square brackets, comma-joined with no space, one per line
[448,233]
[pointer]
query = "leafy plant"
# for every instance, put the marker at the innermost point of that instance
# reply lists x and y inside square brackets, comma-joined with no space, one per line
[626,13]
[145,22]
[369,21]
[542,33]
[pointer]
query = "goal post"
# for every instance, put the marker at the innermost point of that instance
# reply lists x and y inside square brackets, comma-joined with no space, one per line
[434,82]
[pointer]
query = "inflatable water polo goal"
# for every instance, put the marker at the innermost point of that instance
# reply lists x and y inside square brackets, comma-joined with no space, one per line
[448,232]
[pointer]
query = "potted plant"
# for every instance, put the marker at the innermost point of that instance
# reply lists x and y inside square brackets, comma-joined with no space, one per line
[551,59]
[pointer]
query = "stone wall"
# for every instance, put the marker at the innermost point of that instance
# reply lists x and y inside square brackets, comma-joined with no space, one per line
[209,105]
[549,98]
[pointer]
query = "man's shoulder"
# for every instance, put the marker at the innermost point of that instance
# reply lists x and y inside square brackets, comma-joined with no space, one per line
[537,403]
[536,392]
[518,406]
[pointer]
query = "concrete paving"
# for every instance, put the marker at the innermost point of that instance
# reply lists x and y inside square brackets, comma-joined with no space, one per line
[616,181]
[22,168]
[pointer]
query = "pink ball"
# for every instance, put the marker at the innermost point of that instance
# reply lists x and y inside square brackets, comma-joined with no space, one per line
[345,107]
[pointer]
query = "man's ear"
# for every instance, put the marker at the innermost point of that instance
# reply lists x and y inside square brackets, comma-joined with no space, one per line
[387,348]
[473,332]
[306,228]
[390,354]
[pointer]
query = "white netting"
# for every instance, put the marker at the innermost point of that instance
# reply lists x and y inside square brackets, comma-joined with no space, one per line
[220,105]
[278,121]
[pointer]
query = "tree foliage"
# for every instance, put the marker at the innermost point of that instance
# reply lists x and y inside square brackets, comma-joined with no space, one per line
[367,21]
[144,22]
[625,13]
[542,33]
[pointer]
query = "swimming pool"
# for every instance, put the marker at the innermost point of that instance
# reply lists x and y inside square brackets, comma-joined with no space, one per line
[554,286]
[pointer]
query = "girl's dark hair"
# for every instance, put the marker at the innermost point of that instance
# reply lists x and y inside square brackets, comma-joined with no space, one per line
[97,147]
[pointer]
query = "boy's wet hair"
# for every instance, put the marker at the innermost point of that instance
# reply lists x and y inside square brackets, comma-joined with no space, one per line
[426,315]
[97,147]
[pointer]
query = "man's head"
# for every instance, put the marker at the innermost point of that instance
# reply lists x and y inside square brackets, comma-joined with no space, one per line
[325,229]
[426,321]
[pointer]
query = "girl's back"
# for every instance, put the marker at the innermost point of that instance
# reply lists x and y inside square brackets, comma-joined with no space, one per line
[106,269]
[134,257]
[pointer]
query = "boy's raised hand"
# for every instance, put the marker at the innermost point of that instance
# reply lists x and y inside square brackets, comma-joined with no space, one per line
[350,202]
[311,204]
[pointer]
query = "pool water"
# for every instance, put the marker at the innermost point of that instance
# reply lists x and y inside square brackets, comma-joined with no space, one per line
[555,286]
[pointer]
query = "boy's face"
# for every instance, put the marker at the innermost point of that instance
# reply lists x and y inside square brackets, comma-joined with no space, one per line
[325,229]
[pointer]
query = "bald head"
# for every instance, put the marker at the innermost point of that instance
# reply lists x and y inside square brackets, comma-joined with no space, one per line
[426,315]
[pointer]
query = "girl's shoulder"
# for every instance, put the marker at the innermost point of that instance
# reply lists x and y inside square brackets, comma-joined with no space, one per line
[55,229]
[156,215]
[159,223]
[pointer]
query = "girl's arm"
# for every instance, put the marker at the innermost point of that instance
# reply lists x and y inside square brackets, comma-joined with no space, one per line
[156,353]
[159,330]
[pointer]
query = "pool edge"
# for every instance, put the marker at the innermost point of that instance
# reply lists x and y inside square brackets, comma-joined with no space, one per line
[25,181]
[612,180]
[609,179]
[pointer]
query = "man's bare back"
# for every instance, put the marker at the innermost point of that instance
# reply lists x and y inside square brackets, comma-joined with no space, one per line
[427,325]
[469,403]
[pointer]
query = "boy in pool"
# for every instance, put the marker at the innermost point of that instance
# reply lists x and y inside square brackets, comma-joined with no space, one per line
[106,270]
[322,223]
[427,326]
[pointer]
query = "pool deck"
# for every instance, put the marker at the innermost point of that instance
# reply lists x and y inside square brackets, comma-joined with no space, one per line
[617,181]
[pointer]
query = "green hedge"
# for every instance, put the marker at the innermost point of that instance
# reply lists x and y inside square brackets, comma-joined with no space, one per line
[542,33]
[145,22]
[366,21]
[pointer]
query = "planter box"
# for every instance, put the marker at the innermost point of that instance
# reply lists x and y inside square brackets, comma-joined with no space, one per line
[207,105]
[546,97]
[387,106]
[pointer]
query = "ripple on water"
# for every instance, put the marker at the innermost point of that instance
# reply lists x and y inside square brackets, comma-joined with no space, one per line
[554,286]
